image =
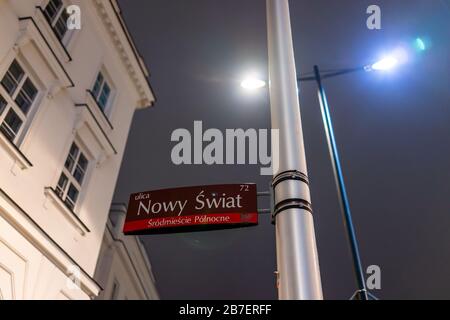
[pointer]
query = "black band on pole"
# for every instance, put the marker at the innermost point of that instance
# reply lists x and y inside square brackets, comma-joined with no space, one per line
[289,175]
[291,203]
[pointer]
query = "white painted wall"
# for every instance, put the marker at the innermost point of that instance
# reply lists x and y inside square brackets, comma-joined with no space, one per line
[39,240]
[124,263]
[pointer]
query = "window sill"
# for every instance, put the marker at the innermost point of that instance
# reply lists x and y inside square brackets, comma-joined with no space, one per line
[68,213]
[87,115]
[32,31]
[15,152]
[97,110]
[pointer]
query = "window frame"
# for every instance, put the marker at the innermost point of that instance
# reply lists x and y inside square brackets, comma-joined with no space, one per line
[65,39]
[11,103]
[106,109]
[4,105]
[71,180]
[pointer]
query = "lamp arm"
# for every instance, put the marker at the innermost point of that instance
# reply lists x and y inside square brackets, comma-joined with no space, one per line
[336,73]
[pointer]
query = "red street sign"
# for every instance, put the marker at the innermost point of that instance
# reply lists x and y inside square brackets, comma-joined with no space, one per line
[192,209]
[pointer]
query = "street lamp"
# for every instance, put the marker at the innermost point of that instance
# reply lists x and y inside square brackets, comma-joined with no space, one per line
[297,261]
[385,64]
[252,83]
[339,178]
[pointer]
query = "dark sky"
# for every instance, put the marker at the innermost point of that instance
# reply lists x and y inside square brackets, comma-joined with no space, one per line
[393,131]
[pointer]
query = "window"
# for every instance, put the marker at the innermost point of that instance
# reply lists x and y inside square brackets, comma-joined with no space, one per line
[71,179]
[13,77]
[3,104]
[56,15]
[101,91]
[15,107]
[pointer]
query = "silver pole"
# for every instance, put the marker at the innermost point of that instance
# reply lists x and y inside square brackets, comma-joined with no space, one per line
[298,264]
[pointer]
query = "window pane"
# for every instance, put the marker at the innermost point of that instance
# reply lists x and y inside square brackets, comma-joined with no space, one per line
[80,169]
[71,158]
[72,195]
[52,9]
[9,84]
[23,102]
[26,96]
[103,100]
[62,184]
[106,90]
[61,25]
[16,71]
[78,174]
[82,162]
[69,163]
[12,77]
[29,89]
[11,125]
[74,150]
[2,105]
[97,85]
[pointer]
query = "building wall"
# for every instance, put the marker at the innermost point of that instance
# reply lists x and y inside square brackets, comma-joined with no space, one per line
[41,241]
[124,269]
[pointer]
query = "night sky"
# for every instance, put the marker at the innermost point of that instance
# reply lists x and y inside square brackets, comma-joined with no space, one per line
[393,131]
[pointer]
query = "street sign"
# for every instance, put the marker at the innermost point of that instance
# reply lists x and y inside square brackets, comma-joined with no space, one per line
[192,209]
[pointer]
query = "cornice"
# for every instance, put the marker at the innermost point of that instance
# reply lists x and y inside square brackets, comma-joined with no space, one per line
[110,15]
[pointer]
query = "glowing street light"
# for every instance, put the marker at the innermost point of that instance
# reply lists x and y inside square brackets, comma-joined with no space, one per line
[385,64]
[399,56]
[253,83]
[282,106]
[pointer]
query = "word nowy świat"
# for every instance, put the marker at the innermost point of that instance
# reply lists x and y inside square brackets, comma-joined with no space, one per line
[202,202]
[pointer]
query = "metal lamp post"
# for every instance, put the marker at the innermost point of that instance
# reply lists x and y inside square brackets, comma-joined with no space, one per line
[339,178]
[384,64]
[297,260]
[298,267]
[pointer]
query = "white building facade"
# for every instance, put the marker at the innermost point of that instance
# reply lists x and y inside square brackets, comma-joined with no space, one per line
[124,270]
[67,98]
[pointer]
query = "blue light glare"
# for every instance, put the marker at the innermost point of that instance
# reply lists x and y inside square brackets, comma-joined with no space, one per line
[389,62]
[385,64]
[420,44]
